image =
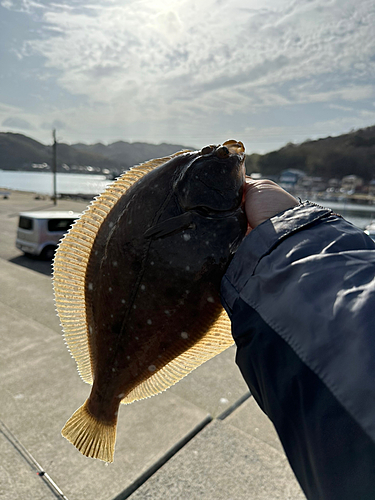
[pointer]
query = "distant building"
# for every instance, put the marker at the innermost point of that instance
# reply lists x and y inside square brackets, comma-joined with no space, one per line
[334,183]
[311,183]
[289,178]
[351,183]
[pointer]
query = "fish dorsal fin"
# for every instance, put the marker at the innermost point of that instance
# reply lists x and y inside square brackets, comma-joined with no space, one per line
[216,340]
[72,257]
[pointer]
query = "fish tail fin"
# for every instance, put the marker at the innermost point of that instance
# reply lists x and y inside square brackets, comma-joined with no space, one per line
[92,437]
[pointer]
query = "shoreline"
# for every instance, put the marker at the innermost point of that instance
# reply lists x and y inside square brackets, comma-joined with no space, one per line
[42,196]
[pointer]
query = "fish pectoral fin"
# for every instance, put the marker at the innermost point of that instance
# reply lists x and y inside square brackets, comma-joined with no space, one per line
[170,226]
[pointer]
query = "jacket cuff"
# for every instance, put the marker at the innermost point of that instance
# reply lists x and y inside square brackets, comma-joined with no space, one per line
[261,241]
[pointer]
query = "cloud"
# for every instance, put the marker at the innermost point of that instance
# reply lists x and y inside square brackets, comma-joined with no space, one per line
[350,93]
[19,123]
[55,124]
[26,6]
[166,66]
[202,48]
[8,109]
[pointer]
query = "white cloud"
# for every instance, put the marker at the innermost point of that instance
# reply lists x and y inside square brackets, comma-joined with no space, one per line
[7,109]
[17,123]
[27,6]
[351,93]
[173,49]
[172,65]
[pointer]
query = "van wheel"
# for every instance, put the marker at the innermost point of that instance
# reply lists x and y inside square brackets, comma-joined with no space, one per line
[48,252]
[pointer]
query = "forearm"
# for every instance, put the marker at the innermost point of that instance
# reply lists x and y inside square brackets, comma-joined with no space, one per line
[300,294]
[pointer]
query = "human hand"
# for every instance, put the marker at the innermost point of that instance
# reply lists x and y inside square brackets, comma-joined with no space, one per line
[264,199]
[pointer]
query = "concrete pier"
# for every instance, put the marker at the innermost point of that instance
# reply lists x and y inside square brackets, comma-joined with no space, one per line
[205,438]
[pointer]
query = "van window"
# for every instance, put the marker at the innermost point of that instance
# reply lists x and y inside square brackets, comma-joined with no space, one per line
[59,224]
[25,223]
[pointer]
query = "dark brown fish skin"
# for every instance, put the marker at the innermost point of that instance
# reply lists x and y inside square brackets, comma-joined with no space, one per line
[153,279]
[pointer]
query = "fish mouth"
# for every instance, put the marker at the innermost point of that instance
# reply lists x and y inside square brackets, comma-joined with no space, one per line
[228,148]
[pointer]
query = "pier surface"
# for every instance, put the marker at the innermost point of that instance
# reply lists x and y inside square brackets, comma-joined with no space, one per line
[205,438]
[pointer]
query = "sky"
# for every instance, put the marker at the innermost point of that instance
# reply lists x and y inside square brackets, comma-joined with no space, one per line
[196,72]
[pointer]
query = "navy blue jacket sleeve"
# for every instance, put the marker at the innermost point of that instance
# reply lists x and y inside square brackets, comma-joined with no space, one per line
[300,293]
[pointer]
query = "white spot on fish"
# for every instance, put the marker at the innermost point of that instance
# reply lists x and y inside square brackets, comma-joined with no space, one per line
[136,338]
[134,306]
[187,291]
[121,395]
[114,263]
[128,357]
[113,369]
[129,221]
[91,286]
[210,299]
[152,263]
[151,368]
[110,289]
[167,312]
[123,301]
[116,413]
[111,315]
[186,237]
[149,322]
[187,268]
[90,328]
[207,242]
[184,335]
[143,287]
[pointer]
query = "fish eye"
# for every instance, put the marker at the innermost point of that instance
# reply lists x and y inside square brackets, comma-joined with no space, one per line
[207,150]
[222,152]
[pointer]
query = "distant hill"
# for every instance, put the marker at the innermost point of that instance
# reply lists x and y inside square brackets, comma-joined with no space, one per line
[131,153]
[332,157]
[19,152]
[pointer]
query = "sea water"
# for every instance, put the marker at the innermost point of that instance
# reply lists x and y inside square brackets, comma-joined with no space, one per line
[42,182]
[93,184]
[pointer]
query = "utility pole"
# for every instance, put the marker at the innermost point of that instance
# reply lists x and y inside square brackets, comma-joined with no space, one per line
[54,167]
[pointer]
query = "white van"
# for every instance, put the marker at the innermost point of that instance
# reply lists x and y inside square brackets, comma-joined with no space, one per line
[39,233]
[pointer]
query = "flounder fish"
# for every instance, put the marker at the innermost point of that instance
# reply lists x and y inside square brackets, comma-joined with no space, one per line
[137,282]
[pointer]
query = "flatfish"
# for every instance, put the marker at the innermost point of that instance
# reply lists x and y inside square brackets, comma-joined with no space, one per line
[137,282]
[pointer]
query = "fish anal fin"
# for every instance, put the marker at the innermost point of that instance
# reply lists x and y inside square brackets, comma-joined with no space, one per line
[93,438]
[170,226]
[217,338]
